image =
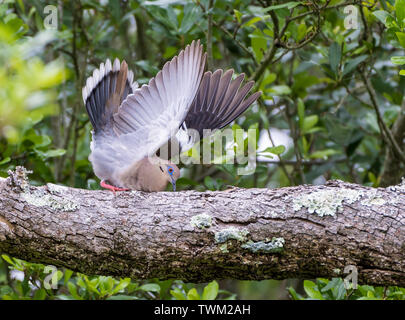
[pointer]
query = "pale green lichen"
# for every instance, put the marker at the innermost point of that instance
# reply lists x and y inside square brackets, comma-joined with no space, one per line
[275,245]
[373,201]
[372,198]
[56,188]
[224,248]
[231,233]
[326,202]
[42,199]
[201,221]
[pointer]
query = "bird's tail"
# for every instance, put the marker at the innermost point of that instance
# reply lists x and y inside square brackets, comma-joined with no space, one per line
[105,90]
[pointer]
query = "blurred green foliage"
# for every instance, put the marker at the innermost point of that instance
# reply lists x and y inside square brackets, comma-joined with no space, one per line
[334,289]
[39,282]
[25,80]
[315,111]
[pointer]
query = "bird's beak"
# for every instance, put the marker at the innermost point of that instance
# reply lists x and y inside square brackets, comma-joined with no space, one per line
[173,184]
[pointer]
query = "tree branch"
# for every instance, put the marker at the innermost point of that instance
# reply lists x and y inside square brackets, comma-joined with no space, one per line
[383,127]
[199,236]
[392,165]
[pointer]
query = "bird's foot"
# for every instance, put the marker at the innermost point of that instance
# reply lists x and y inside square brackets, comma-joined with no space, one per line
[105,185]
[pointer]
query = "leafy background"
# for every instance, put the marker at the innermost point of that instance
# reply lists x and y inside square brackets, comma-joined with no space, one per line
[331,109]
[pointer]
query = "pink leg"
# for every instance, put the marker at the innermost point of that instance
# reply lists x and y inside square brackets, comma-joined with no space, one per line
[110,187]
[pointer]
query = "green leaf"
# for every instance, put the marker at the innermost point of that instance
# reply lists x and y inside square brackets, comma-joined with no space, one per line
[146,66]
[381,15]
[178,294]
[309,122]
[314,129]
[5,160]
[7,259]
[301,32]
[259,44]
[301,113]
[210,291]
[38,140]
[253,21]
[322,154]
[92,286]
[269,78]
[210,183]
[401,38]
[68,275]
[372,178]
[193,294]
[331,284]
[184,181]
[352,64]
[402,72]
[132,286]
[294,294]
[371,120]
[400,11]
[122,285]
[50,153]
[170,51]
[122,297]
[107,284]
[73,291]
[192,14]
[280,90]
[288,5]
[398,60]
[370,294]
[335,54]
[153,287]
[238,15]
[40,294]
[311,290]
[275,150]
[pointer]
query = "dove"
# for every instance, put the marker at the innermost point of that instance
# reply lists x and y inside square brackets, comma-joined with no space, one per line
[131,123]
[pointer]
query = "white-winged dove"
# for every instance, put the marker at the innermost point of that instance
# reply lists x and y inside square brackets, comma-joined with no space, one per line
[131,124]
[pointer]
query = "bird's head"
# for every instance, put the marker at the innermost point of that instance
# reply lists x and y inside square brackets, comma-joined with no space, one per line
[171,172]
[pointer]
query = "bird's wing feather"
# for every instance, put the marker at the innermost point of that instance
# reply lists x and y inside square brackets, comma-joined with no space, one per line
[153,113]
[218,102]
[104,91]
[109,85]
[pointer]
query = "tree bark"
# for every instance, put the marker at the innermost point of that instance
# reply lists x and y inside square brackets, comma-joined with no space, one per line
[296,232]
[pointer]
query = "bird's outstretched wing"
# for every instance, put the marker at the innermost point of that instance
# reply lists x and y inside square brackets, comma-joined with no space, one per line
[105,90]
[218,102]
[151,115]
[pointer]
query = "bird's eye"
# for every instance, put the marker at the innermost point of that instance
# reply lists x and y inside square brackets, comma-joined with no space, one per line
[170,170]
